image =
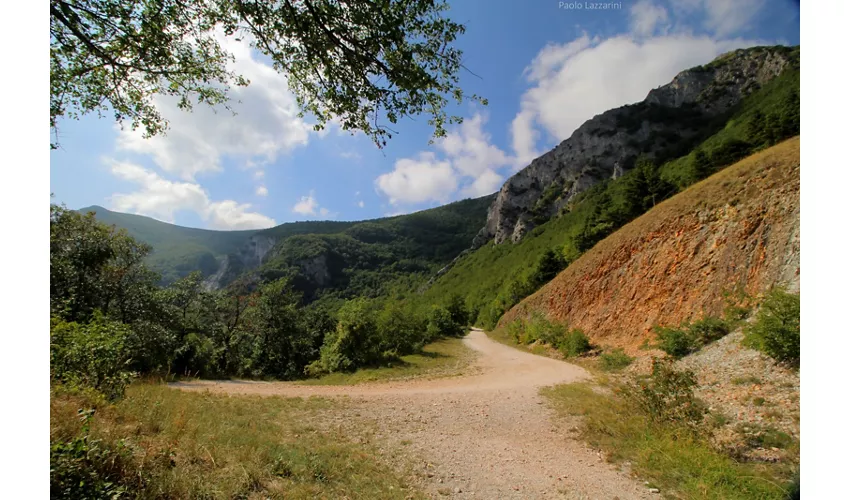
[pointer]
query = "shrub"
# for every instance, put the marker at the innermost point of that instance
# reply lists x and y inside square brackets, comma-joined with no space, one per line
[615,359]
[441,324]
[675,341]
[86,468]
[354,343]
[90,355]
[667,395]
[457,309]
[540,328]
[776,330]
[403,329]
[708,330]
[690,337]
[574,343]
[516,330]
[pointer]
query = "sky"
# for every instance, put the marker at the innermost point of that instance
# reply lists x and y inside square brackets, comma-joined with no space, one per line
[544,66]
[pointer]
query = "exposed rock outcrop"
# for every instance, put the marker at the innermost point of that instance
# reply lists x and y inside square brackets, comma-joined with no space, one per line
[737,230]
[605,146]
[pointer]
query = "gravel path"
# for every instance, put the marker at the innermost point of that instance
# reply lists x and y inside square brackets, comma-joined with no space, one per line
[487,435]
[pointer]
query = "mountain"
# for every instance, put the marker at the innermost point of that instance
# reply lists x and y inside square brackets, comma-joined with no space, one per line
[737,231]
[667,124]
[179,250]
[493,277]
[323,257]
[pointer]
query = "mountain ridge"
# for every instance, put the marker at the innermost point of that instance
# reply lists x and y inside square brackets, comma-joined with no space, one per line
[662,126]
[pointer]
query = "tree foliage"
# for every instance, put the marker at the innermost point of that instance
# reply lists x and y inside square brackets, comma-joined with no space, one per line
[365,63]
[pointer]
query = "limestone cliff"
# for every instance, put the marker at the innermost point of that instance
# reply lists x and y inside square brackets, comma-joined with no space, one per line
[665,124]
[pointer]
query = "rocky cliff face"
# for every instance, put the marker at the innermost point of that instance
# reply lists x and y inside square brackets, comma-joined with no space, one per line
[608,144]
[253,253]
[737,230]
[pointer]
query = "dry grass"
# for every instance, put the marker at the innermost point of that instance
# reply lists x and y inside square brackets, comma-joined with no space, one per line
[197,445]
[681,464]
[443,358]
[624,271]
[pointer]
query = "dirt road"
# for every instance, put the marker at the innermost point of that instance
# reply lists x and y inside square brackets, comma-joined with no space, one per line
[487,435]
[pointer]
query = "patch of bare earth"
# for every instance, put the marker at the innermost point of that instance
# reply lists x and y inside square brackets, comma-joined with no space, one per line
[486,435]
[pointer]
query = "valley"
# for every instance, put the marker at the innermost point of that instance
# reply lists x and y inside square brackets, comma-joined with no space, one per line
[619,320]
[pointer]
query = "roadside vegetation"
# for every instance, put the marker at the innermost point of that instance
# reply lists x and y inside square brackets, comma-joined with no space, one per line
[443,358]
[657,425]
[161,443]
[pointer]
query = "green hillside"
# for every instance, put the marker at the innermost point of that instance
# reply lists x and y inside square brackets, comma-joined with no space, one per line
[179,250]
[495,277]
[359,258]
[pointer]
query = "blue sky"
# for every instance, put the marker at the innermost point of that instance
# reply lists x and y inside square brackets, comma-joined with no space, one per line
[545,68]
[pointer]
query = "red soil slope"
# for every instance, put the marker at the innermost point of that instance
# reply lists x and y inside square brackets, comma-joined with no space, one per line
[737,230]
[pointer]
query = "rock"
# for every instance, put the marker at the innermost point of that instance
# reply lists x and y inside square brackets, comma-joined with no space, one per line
[654,490]
[606,145]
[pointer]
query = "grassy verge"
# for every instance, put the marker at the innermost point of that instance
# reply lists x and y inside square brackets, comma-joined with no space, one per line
[680,463]
[163,443]
[443,358]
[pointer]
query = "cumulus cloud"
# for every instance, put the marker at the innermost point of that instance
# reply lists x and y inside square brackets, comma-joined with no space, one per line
[575,81]
[721,17]
[420,179]
[161,198]
[262,191]
[465,162]
[266,124]
[647,17]
[307,205]
[361,204]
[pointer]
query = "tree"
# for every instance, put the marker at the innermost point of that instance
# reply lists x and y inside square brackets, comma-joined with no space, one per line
[358,61]
[281,345]
[94,266]
[700,166]
[644,187]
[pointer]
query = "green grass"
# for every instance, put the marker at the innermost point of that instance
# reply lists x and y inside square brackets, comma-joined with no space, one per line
[681,464]
[443,358]
[196,445]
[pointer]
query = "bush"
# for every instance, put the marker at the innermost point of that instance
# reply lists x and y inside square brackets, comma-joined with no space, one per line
[690,337]
[574,343]
[667,395]
[354,343]
[402,328]
[708,330]
[615,359]
[776,330]
[457,309]
[86,468]
[441,324]
[675,341]
[540,328]
[90,355]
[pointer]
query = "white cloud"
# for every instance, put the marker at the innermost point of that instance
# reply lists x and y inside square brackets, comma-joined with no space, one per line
[361,204]
[578,80]
[721,17]
[646,16]
[307,205]
[161,198]
[262,191]
[351,155]
[259,174]
[266,124]
[487,182]
[418,180]
[468,159]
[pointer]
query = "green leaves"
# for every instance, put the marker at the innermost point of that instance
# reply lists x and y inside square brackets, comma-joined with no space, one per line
[359,62]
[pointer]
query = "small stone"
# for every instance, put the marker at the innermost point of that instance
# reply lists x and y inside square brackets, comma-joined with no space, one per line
[457,490]
[654,490]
